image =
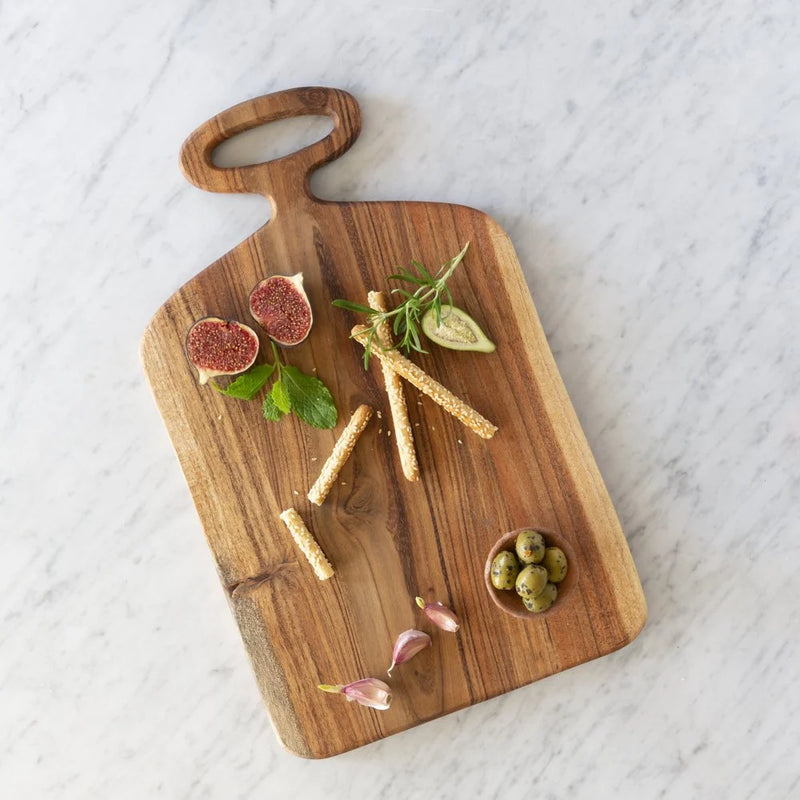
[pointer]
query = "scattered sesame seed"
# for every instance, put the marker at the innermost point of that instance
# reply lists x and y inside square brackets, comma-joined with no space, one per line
[460,442]
[344,483]
[220,416]
[388,433]
[295,491]
[314,458]
[380,416]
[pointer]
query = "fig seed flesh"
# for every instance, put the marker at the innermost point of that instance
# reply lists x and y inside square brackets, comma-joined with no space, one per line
[216,346]
[280,305]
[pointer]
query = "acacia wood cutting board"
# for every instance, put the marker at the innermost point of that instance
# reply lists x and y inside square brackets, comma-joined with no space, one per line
[388,539]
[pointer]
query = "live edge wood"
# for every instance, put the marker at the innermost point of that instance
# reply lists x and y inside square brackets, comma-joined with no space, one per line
[389,539]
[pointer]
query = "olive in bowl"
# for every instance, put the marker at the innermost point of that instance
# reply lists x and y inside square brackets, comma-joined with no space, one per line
[528,571]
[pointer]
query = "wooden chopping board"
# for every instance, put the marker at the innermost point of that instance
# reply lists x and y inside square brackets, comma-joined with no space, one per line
[388,539]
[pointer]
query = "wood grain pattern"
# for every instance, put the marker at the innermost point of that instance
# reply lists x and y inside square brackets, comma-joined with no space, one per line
[389,539]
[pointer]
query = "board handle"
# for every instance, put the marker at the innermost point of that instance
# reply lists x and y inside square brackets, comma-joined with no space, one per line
[282,178]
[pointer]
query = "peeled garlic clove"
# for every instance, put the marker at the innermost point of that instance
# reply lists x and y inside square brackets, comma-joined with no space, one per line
[440,615]
[368,692]
[408,644]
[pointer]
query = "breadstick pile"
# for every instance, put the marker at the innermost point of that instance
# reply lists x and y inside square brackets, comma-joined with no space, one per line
[394,366]
[419,378]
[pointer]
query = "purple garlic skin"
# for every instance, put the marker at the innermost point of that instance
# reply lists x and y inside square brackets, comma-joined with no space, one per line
[369,692]
[440,615]
[408,644]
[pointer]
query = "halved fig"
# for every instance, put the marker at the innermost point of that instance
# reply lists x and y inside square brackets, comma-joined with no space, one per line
[280,306]
[455,330]
[220,347]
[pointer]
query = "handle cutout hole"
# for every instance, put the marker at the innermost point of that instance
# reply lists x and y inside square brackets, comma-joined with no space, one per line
[271,140]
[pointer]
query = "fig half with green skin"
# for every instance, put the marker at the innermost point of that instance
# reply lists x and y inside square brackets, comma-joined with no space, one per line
[455,330]
[280,306]
[217,346]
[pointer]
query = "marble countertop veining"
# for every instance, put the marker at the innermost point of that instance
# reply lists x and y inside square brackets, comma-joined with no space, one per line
[644,158]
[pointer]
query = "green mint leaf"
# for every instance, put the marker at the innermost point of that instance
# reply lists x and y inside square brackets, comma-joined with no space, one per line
[280,396]
[310,398]
[271,412]
[249,384]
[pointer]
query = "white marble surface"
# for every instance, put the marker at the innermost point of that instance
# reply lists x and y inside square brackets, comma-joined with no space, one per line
[644,158]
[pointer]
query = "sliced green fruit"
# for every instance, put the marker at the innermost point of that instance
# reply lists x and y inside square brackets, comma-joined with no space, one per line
[456,330]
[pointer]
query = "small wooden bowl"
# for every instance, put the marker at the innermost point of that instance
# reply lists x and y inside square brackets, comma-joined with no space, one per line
[508,599]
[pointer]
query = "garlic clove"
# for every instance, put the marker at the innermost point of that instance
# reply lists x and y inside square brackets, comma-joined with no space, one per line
[440,615]
[369,692]
[407,645]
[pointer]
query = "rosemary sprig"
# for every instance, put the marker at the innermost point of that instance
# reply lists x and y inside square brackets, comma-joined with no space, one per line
[405,318]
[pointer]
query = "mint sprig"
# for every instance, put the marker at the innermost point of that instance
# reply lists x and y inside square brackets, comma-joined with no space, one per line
[292,391]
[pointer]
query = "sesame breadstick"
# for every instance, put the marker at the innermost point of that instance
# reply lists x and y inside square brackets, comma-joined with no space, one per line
[340,453]
[397,400]
[307,543]
[419,378]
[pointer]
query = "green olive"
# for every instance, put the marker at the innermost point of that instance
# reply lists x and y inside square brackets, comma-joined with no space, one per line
[555,562]
[531,581]
[505,569]
[530,547]
[542,601]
